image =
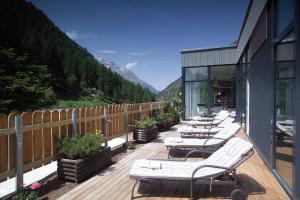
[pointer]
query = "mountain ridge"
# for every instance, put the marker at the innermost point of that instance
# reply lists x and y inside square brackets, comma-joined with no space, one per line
[74,73]
[127,74]
[171,90]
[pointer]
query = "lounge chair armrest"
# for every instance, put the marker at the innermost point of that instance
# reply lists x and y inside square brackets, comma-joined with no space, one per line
[195,151]
[212,166]
[212,138]
[168,160]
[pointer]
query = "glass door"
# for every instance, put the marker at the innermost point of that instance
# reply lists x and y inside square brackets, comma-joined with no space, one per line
[285,123]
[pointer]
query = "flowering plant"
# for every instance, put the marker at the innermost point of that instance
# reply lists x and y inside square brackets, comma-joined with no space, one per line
[35,186]
[130,145]
[99,133]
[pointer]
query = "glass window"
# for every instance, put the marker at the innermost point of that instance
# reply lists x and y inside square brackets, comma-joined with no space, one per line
[195,98]
[223,86]
[196,74]
[285,14]
[285,130]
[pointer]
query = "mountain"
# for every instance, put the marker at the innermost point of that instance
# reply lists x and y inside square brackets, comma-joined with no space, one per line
[72,72]
[127,74]
[171,90]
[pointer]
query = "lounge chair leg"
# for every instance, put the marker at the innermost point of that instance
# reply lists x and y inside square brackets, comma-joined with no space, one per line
[132,191]
[192,189]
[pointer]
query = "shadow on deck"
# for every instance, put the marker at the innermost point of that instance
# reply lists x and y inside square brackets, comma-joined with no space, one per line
[114,182]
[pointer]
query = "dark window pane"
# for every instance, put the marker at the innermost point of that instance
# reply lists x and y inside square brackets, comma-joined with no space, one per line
[223,73]
[285,14]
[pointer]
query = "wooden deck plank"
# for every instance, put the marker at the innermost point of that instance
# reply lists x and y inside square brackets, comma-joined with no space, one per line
[114,182]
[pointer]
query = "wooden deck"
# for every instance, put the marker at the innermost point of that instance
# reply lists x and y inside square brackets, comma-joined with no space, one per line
[114,183]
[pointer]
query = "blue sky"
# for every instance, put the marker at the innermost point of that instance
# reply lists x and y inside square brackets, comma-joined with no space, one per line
[147,35]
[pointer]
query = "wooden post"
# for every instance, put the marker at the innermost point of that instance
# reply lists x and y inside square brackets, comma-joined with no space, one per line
[19,153]
[74,123]
[105,126]
[126,123]
[141,113]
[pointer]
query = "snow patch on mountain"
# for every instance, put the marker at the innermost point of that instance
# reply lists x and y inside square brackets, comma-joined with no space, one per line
[126,73]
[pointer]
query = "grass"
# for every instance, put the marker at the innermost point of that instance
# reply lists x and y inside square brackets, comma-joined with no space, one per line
[79,103]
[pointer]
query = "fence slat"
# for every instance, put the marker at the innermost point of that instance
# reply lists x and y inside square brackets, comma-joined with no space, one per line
[62,128]
[54,131]
[28,147]
[69,117]
[3,144]
[43,129]
[11,142]
[47,134]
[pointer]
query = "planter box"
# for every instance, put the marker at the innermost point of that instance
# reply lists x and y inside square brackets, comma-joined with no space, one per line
[144,134]
[80,169]
[162,128]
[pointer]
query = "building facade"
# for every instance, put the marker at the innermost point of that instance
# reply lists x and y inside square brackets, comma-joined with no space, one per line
[259,78]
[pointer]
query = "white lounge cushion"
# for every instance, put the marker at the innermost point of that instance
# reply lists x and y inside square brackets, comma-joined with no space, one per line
[227,156]
[175,139]
[220,115]
[193,143]
[192,130]
[204,123]
[228,131]
[224,134]
[227,121]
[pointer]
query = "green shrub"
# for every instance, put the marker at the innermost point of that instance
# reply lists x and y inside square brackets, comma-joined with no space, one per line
[164,119]
[174,111]
[79,146]
[27,195]
[145,123]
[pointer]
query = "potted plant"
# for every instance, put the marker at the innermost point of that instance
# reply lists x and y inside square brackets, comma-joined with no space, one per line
[164,122]
[145,130]
[81,156]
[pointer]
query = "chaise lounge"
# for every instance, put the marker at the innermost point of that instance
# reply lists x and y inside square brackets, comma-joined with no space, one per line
[192,131]
[217,120]
[213,143]
[221,163]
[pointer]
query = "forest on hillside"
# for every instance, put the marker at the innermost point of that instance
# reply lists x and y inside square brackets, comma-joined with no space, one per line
[40,64]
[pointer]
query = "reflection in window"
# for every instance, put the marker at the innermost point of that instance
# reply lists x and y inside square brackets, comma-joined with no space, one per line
[285,75]
[196,74]
[285,14]
[223,86]
[195,98]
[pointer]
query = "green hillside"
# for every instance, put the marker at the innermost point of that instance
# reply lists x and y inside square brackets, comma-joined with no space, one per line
[171,90]
[61,68]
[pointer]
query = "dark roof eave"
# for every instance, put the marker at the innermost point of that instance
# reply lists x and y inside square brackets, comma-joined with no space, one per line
[208,49]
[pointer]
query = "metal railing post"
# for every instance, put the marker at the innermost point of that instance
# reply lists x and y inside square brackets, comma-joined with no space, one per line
[19,153]
[126,123]
[105,126]
[74,123]
[141,113]
[151,108]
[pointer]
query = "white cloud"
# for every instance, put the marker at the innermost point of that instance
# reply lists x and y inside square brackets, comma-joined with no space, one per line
[75,35]
[138,53]
[108,51]
[131,65]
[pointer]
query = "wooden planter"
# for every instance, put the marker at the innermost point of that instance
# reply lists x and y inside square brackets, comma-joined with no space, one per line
[80,169]
[144,134]
[162,128]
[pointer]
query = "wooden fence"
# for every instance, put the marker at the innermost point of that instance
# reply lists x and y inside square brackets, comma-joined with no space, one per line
[41,129]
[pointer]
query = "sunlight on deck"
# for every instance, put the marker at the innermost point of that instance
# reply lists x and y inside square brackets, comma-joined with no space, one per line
[114,182]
